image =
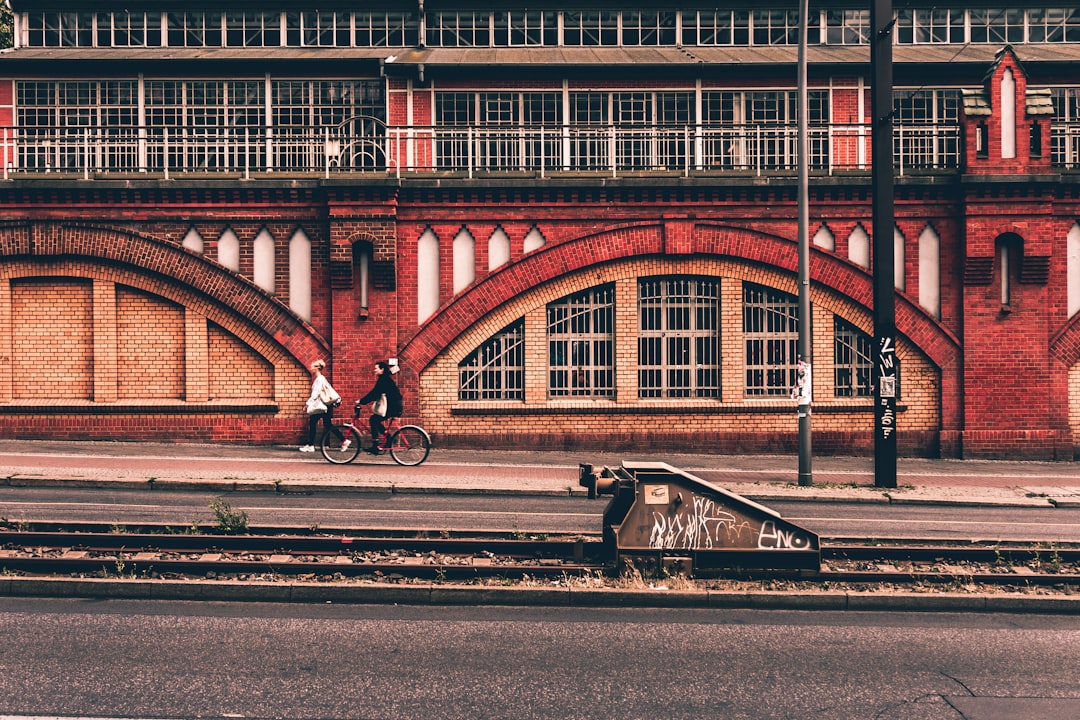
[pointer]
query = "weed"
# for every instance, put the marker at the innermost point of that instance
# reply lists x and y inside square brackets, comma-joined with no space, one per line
[229,521]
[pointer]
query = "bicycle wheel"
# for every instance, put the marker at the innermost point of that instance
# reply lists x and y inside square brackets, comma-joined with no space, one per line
[410,445]
[339,452]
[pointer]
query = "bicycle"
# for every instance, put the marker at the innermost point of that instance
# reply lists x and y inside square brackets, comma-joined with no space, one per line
[407,444]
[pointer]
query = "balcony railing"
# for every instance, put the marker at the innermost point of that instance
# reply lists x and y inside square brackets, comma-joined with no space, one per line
[757,149]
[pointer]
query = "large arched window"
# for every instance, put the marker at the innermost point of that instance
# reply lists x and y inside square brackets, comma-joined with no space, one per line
[678,337]
[581,344]
[496,369]
[771,333]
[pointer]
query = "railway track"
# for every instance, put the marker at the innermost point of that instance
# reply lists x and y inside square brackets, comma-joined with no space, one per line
[96,553]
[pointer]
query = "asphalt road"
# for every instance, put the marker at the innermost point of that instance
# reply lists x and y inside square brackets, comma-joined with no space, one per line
[62,658]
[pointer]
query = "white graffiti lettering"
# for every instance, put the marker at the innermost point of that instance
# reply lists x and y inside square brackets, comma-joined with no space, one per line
[773,538]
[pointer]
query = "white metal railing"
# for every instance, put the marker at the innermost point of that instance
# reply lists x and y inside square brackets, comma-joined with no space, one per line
[757,149]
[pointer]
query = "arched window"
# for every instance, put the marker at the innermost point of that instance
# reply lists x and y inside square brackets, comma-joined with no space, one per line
[899,256]
[1073,268]
[930,271]
[300,274]
[1008,115]
[263,255]
[228,250]
[193,241]
[498,249]
[427,275]
[859,247]
[825,239]
[581,344]
[362,257]
[496,369]
[771,334]
[464,260]
[678,337]
[1010,248]
[534,240]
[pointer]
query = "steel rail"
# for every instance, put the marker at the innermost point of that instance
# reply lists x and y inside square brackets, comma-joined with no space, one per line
[160,555]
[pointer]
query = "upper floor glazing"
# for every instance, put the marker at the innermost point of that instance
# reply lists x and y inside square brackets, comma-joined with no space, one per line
[539,28]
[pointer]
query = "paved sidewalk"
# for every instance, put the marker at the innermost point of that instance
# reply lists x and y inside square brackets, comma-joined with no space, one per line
[266,468]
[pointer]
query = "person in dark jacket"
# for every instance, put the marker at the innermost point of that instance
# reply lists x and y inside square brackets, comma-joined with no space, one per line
[384,385]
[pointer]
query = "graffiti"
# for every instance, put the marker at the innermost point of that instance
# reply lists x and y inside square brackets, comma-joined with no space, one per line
[773,538]
[703,525]
[885,415]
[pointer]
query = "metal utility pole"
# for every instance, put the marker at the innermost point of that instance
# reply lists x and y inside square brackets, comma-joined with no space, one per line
[886,365]
[805,385]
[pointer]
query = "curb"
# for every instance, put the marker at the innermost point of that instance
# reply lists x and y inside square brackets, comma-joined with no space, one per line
[427,594]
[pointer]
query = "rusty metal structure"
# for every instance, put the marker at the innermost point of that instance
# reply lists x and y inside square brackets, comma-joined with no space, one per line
[681,522]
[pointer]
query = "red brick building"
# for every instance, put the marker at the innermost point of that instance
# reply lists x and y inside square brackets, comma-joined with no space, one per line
[575,226]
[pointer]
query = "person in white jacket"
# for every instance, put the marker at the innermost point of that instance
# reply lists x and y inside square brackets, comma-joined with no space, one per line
[325,397]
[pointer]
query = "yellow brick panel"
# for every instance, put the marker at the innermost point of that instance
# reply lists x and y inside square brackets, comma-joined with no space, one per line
[52,340]
[150,346]
[236,371]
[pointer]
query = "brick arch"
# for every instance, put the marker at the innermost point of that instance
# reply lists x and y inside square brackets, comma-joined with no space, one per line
[128,250]
[1065,345]
[628,241]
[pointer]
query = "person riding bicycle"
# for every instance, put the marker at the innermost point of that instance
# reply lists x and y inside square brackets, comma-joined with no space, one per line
[391,408]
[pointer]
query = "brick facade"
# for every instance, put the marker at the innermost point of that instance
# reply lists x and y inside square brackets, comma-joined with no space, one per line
[108,323]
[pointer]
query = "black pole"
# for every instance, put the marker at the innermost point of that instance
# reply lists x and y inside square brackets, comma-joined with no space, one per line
[886,365]
[806,346]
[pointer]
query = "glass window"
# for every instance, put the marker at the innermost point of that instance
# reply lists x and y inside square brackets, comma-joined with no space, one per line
[1054,25]
[385,30]
[459,29]
[60,29]
[776,27]
[581,344]
[58,118]
[847,27]
[122,29]
[852,360]
[997,26]
[719,27]
[591,28]
[195,29]
[496,369]
[929,25]
[253,29]
[648,28]
[678,337]
[525,28]
[771,334]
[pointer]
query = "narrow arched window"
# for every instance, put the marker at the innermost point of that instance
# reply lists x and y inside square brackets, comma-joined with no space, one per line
[1008,115]
[427,275]
[859,247]
[228,250]
[825,239]
[263,255]
[1009,251]
[534,240]
[930,271]
[362,257]
[899,258]
[193,241]
[300,274]
[1072,241]
[498,249]
[464,260]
